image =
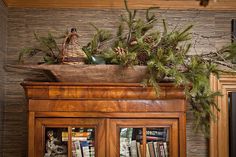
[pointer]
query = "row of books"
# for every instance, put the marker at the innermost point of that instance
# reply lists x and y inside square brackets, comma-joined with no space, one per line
[82,142]
[76,136]
[135,149]
[83,148]
[153,134]
[157,149]
[130,149]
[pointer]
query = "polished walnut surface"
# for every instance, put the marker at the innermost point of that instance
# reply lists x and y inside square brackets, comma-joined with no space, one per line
[119,104]
[68,90]
[95,97]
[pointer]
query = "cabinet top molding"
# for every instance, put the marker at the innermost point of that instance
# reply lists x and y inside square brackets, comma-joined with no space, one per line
[118,4]
[67,90]
[106,98]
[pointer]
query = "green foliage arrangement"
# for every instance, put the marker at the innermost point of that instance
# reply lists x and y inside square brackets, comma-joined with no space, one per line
[47,46]
[164,52]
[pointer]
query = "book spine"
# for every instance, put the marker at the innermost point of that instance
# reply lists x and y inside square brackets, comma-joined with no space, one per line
[151,138]
[139,149]
[151,149]
[162,151]
[133,148]
[77,149]
[156,149]
[166,149]
[85,148]
[92,151]
[147,151]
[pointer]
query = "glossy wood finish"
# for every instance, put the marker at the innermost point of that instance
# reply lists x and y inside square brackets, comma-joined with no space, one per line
[219,140]
[171,124]
[140,4]
[79,91]
[105,106]
[31,133]
[42,123]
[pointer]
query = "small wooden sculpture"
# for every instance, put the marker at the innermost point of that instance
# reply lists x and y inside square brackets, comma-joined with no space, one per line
[71,50]
[53,149]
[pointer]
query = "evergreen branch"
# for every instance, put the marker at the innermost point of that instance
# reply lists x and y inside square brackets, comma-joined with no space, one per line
[153,17]
[45,42]
[127,9]
[228,65]
[164,26]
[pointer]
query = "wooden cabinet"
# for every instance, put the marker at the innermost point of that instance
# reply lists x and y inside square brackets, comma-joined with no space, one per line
[112,118]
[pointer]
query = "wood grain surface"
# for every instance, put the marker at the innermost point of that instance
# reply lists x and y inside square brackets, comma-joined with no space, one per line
[109,102]
[219,141]
[164,4]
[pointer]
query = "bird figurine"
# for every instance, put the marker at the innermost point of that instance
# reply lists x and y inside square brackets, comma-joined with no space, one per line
[72,53]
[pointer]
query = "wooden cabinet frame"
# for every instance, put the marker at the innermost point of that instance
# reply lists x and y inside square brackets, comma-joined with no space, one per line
[172,124]
[41,123]
[109,105]
[219,137]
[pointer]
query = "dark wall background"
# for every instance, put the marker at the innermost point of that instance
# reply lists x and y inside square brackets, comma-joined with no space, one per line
[3,49]
[211,31]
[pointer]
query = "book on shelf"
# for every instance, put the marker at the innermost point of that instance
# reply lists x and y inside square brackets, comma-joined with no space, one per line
[139,149]
[92,151]
[165,148]
[157,149]
[158,132]
[131,142]
[147,151]
[161,150]
[151,138]
[76,149]
[155,145]
[124,147]
[133,148]
[151,149]
[82,136]
[85,148]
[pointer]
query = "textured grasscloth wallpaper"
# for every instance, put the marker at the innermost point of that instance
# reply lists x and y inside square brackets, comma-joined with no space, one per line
[3,48]
[211,30]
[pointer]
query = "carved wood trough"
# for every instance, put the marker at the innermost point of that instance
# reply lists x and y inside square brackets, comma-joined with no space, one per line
[90,73]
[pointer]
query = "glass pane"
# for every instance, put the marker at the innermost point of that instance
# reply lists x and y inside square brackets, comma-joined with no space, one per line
[157,142]
[56,142]
[83,142]
[131,143]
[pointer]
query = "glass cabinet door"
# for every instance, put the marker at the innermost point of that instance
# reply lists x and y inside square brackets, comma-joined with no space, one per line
[69,137]
[83,142]
[137,138]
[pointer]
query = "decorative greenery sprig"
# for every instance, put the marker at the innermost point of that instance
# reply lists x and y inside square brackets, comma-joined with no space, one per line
[95,46]
[47,46]
[164,52]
